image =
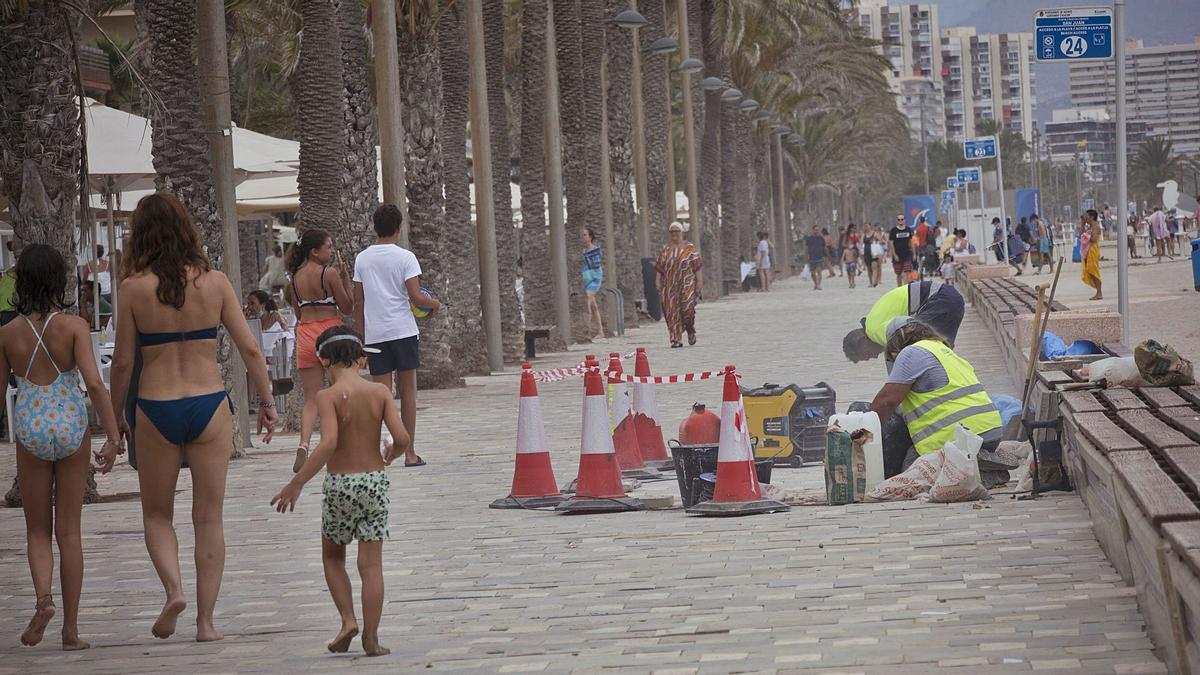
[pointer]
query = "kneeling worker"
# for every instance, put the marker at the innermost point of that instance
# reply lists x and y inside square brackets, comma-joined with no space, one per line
[935,390]
[933,303]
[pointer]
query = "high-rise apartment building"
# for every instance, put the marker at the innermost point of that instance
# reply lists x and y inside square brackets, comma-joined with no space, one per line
[987,77]
[1089,135]
[909,39]
[1162,90]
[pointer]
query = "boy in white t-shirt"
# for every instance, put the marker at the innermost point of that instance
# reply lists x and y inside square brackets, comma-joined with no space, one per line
[386,278]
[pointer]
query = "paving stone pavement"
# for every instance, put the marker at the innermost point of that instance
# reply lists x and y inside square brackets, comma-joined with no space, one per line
[895,588]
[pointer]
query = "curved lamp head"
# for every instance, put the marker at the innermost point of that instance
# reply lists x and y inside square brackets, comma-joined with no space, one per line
[731,94]
[692,65]
[630,18]
[761,116]
[795,139]
[711,83]
[749,105]
[663,45]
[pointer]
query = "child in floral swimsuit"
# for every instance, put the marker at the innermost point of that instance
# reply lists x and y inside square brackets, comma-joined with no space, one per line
[356,500]
[51,427]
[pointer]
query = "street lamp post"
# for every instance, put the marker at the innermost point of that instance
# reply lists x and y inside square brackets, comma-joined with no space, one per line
[632,20]
[687,66]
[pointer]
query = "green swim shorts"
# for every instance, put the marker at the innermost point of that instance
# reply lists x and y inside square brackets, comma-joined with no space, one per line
[355,507]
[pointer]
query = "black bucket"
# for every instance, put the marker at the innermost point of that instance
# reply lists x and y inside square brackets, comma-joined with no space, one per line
[692,461]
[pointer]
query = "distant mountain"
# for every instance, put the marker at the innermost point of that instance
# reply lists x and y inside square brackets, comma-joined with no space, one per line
[1155,22]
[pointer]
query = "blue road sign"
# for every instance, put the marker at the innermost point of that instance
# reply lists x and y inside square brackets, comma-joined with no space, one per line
[983,147]
[951,182]
[970,174]
[1073,34]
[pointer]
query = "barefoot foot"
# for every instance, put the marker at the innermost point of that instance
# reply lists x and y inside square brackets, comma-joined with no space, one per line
[371,646]
[341,642]
[71,641]
[164,627]
[42,613]
[206,633]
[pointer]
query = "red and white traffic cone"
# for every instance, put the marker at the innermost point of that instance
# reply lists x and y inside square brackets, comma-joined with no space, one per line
[645,418]
[598,488]
[621,421]
[533,484]
[738,492]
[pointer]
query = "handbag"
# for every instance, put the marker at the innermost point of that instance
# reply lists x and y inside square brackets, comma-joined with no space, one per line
[878,250]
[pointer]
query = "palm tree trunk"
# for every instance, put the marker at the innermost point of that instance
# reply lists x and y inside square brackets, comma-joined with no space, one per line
[507,247]
[580,148]
[712,151]
[619,45]
[39,138]
[421,88]
[731,240]
[535,242]
[741,184]
[360,189]
[181,154]
[469,349]
[320,101]
[658,118]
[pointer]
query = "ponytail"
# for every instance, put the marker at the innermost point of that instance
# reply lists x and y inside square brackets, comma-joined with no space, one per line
[309,241]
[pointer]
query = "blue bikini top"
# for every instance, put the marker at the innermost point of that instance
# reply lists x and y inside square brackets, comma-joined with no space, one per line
[153,339]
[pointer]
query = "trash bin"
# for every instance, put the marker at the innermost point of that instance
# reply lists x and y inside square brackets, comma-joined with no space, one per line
[1196,263]
[693,462]
[649,289]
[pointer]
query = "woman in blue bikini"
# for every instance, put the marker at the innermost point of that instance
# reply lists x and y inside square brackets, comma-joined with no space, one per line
[49,352]
[170,307]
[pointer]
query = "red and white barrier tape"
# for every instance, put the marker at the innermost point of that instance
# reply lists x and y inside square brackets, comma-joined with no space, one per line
[556,374]
[559,374]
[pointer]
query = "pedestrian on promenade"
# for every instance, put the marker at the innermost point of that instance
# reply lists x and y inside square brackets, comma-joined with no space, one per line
[879,253]
[260,305]
[816,247]
[97,273]
[328,292]
[274,271]
[678,281]
[51,431]
[1172,232]
[387,283]
[355,502]
[1025,234]
[900,241]
[1089,248]
[868,256]
[948,269]
[1158,232]
[833,250]
[171,305]
[593,279]
[762,256]
[850,262]
[1045,242]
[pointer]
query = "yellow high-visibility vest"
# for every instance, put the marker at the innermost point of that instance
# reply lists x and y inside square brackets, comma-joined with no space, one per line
[932,416]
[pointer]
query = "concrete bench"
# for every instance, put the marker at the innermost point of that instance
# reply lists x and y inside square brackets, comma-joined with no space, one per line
[1104,434]
[1156,493]
[1122,399]
[1184,418]
[1151,431]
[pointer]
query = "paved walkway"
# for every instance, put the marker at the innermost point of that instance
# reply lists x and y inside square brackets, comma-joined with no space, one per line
[896,588]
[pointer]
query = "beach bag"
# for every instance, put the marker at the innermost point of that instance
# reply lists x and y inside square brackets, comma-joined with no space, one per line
[878,250]
[1161,365]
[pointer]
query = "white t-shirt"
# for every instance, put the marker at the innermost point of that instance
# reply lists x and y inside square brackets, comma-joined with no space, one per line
[764,254]
[382,270]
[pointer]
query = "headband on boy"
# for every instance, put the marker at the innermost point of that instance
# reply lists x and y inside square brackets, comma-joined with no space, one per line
[355,338]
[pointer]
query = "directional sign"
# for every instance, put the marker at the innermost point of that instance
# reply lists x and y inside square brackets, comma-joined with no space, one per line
[970,174]
[948,195]
[983,147]
[951,182]
[1073,34]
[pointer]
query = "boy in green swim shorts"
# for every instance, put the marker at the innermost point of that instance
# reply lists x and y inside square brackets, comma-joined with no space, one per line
[355,506]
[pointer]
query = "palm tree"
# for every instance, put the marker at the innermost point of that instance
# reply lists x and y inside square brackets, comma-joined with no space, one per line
[658,119]
[360,186]
[468,351]
[1153,162]
[421,88]
[581,146]
[506,235]
[619,44]
[320,100]
[535,244]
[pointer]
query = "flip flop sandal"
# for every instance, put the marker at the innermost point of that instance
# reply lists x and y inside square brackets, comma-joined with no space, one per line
[301,458]
[419,462]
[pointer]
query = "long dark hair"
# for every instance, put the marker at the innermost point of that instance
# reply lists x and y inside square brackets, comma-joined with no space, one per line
[164,240]
[309,241]
[41,284]
[264,298]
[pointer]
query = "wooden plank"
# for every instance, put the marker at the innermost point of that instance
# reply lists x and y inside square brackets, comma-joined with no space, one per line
[1145,426]
[1162,397]
[1122,399]
[1186,462]
[1105,434]
[1082,402]
[1185,419]
[1156,494]
[1191,393]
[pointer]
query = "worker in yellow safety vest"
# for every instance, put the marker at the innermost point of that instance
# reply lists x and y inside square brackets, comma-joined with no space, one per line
[934,390]
[937,305]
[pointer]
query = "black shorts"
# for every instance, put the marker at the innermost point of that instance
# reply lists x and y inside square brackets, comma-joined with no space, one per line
[395,355]
[943,312]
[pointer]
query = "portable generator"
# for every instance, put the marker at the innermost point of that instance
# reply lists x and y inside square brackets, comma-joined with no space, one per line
[789,421]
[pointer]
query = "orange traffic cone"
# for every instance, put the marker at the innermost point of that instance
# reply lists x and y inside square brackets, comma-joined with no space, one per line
[738,492]
[533,483]
[645,418]
[598,488]
[621,421]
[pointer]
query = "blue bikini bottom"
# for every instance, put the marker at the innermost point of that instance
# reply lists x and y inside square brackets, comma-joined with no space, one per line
[182,420]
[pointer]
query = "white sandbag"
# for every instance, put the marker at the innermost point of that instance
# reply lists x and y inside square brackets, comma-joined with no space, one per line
[1014,453]
[958,481]
[1119,371]
[917,480]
